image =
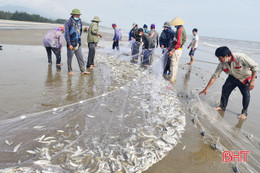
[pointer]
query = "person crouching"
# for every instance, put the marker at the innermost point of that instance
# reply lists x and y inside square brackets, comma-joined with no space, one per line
[53,42]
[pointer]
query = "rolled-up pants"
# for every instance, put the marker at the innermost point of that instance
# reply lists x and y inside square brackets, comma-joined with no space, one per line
[56,51]
[91,54]
[79,57]
[230,84]
[174,64]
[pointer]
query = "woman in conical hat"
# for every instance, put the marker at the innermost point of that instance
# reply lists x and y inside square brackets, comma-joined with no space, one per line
[177,21]
[175,54]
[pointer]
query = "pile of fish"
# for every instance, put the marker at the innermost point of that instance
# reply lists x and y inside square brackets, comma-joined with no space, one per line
[127,129]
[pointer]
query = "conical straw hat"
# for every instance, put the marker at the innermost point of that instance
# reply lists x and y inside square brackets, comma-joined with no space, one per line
[177,21]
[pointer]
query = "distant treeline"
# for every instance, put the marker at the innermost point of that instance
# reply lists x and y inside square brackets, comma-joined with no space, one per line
[23,16]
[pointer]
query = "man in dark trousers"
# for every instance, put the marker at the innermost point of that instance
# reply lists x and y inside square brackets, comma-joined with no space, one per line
[166,40]
[134,38]
[241,72]
[93,35]
[73,31]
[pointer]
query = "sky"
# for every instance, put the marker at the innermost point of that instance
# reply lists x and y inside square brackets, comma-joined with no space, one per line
[232,19]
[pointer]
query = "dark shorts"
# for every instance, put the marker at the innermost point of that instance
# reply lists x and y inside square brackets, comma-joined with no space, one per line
[192,52]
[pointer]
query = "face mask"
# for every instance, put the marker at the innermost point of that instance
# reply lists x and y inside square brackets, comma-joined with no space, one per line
[226,60]
[76,18]
[140,34]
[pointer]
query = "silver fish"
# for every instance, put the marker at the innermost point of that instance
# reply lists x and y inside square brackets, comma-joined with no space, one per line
[17,147]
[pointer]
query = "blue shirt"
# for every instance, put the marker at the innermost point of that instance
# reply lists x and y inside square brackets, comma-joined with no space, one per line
[73,35]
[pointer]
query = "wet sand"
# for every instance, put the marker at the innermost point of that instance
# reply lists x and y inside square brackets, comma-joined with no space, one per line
[29,33]
[192,154]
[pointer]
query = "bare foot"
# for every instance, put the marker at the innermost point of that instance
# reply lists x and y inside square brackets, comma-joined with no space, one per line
[94,65]
[173,81]
[59,64]
[85,72]
[218,109]
[70,73]
[242,116]
[91,67]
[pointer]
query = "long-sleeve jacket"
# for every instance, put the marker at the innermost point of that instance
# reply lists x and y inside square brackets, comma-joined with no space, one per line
[155,36]
[148,42]
[166,37]
[241,67]
[92,33]
[180,38]
[73,31]
[117,35]
[134,33]
[54,38]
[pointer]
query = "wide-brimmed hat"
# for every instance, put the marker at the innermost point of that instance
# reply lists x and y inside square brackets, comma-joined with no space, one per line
[166,24]
[177,21]
[75,11]
[96,19]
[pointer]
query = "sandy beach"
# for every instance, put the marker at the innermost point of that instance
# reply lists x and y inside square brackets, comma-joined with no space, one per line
[27,78]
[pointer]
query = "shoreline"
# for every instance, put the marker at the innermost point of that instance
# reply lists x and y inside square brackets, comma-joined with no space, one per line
[34,37]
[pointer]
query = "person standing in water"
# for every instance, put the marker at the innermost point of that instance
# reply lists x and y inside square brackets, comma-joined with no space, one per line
[117,37]
[241,72]
[155,38]
[93,35]
[135,39]
[53,42]
[73,31]
[154,35]
[175,54]
[193,45]
[166,39]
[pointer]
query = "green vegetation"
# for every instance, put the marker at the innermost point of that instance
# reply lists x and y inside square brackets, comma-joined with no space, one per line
[23,16]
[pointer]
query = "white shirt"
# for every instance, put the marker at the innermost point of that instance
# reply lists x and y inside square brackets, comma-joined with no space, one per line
[194,39]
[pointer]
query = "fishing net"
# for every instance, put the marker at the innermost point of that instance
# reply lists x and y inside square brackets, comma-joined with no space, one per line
[122,118]
[130,122]
[216,132]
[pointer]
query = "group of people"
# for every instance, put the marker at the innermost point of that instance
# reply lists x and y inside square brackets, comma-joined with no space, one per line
[170,41]
[53,41]
[149,40]
[241,69]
